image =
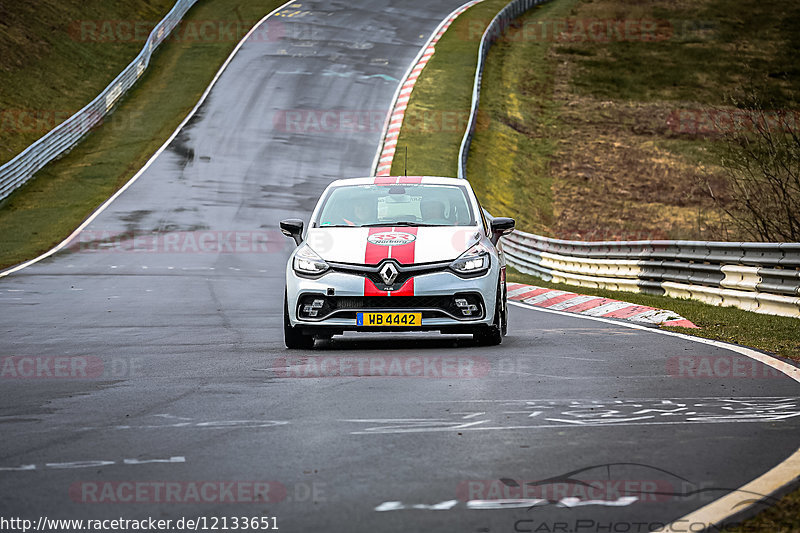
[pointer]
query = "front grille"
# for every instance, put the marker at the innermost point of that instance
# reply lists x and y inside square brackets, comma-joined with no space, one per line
[404,272]
[431,306]
[392,302]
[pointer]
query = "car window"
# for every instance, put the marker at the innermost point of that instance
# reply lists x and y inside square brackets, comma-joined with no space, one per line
[372,205]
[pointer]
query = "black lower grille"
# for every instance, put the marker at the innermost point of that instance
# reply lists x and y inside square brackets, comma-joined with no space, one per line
[393,302]
[346,306]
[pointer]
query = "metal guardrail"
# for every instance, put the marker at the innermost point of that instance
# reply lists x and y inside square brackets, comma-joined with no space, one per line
[760,277]
[66,135]
[493,31]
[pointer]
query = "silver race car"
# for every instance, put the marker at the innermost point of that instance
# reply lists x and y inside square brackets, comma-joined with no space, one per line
[404,253]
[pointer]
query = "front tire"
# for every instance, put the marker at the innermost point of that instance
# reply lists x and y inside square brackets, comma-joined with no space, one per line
[492,335]
[293,338]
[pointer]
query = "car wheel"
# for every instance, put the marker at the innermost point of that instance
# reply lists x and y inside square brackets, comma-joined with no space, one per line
[492,335]
[504,315]
[292,337]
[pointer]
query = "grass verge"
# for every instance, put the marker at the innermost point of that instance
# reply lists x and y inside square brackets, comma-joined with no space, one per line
[54,59]
[45,210]
[606,130]
[438,110]
[516,133]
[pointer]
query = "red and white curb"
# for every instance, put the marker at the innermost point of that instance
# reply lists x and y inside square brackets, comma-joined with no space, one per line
[398,111]
[594,306]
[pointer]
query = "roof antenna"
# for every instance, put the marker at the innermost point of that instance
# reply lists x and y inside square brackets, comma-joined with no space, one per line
[405,163]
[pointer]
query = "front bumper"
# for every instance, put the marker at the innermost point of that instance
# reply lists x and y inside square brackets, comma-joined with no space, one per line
[435,296]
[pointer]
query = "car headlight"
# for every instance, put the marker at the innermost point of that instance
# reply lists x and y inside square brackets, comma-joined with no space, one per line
[308,262]
[472,262]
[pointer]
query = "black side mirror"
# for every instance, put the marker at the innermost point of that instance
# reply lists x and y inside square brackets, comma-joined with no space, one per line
[501,226]
[293,227]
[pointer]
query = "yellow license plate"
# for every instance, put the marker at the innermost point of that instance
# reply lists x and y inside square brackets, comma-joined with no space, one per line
[389,319]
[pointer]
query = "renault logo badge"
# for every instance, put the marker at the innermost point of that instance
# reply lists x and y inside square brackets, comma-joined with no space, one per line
[388,273]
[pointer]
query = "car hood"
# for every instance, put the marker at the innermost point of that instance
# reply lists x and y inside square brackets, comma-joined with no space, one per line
[405,244]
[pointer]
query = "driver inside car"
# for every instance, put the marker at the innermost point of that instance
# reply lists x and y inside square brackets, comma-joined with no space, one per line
[365,211]
[433,212]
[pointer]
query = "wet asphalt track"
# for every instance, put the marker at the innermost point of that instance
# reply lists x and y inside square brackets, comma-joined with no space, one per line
[193,362]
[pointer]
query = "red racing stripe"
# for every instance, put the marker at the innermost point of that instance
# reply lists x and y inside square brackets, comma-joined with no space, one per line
[372,256]
[410,180]
[406,290]
[371,290]
[376,253]
[385,180]
[405,254]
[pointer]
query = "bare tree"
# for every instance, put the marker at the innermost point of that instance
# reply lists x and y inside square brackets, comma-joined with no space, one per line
[760,156]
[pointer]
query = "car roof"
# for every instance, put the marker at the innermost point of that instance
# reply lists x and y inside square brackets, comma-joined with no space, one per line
[400,180]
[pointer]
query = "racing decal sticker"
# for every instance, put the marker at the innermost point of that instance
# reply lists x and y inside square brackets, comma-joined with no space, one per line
[404,252]
[374,253]
[392,238]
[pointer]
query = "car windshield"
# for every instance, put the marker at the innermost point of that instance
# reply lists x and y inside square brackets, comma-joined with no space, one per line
[396,205]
